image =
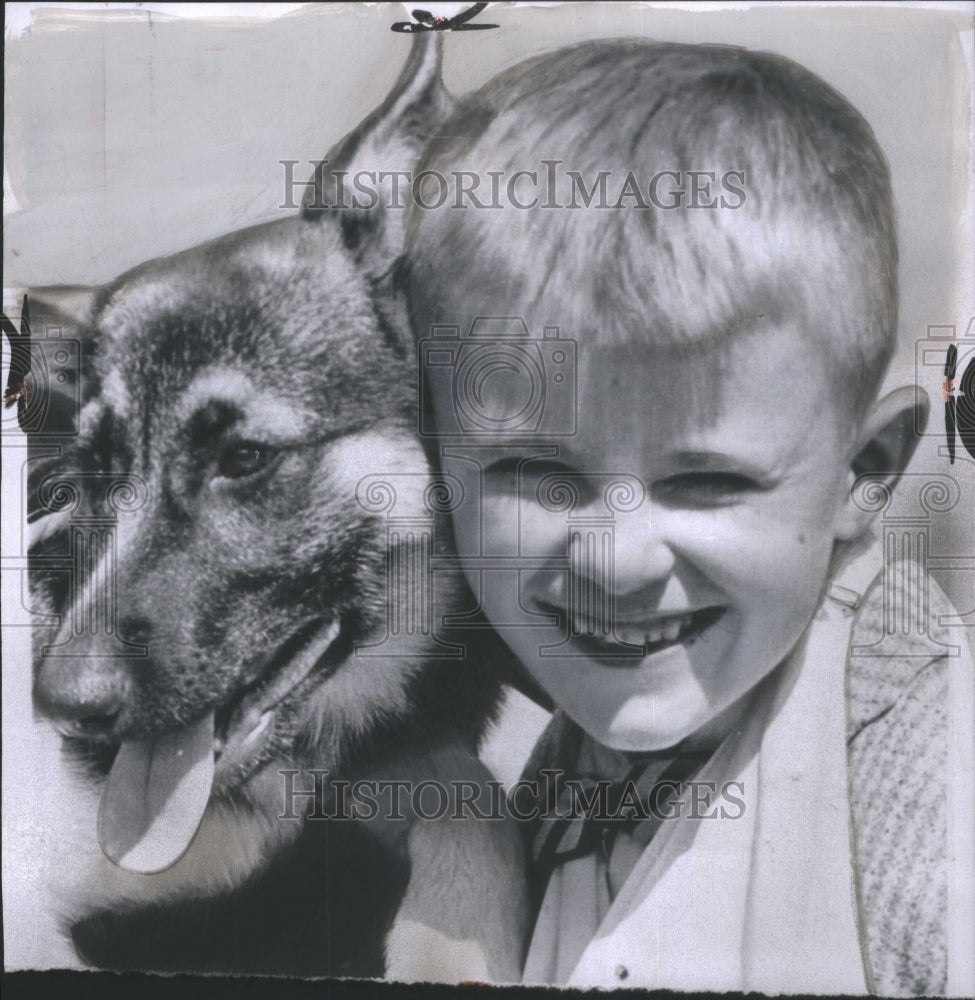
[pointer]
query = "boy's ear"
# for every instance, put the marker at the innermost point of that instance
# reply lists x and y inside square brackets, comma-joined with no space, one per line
[390,141]
[885,446]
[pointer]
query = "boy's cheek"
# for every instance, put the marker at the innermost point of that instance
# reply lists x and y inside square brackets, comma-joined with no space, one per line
[489,527]
[767,565]
[788,590]
[504,525]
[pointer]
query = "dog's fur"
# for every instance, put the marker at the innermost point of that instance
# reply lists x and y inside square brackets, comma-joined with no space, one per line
[289,338]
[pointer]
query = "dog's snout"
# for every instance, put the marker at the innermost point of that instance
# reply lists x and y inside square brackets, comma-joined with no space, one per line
[87,727]
[135,630]
[81,696]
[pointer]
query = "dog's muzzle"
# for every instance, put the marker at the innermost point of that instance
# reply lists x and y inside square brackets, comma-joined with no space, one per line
[159,786]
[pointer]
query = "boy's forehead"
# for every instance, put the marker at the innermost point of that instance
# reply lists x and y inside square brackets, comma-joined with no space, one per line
[635,398]
[633,395]
[755,390]
[753,357]
[641,368]
[741,384]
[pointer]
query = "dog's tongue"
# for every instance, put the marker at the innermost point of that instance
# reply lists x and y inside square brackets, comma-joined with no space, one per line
[155,797]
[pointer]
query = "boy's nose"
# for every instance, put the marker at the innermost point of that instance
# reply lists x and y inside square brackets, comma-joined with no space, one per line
[624,556]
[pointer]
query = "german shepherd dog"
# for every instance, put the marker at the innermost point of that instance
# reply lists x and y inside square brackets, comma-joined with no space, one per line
[241,392]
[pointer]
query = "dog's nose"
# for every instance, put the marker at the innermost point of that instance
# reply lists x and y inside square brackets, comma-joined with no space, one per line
[86,727]
[81,697]
[87,719]
[136,630]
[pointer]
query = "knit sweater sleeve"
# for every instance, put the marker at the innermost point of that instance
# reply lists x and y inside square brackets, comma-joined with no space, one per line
[898,749]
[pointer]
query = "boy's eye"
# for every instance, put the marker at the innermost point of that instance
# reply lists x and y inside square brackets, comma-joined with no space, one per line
[509,475]
[245,458]
[704,488]
[502,476]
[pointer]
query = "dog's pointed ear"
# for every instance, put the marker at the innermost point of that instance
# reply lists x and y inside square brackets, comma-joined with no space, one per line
[365,179]
[72,304]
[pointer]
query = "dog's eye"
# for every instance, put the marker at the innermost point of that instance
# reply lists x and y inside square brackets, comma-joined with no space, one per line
[244,459]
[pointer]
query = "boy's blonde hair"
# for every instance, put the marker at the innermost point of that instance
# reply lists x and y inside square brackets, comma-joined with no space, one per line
[809,235]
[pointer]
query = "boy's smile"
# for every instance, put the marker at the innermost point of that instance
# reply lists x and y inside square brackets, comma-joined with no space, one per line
[665,558]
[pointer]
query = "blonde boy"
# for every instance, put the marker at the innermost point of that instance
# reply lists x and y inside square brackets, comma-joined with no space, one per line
[670,531]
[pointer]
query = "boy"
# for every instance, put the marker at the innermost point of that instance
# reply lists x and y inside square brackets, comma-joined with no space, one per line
[668,529]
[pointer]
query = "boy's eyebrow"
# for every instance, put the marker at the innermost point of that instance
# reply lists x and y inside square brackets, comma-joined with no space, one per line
[702,458]
[719,459]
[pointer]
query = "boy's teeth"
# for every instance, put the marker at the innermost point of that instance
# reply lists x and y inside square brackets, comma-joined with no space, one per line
[660,635]
[667,630]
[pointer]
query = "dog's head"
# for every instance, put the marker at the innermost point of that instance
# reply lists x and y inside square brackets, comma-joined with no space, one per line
[225,569]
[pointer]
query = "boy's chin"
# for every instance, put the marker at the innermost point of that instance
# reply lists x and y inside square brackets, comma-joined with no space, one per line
[642,728]
[630,733]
